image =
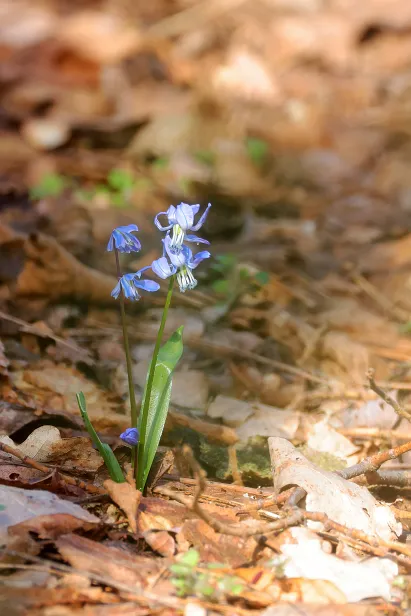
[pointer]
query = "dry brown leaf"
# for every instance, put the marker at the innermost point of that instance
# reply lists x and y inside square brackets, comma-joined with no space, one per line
[161,542]
[46,445]
[57,386]
[129,569]
[127,497]
[52,273]
[351,356]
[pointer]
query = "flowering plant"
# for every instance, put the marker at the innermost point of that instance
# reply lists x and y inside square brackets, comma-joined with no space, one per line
[176,263]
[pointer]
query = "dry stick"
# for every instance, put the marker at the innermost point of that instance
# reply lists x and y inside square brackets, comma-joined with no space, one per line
[45,469]
[235,530]
[293,518]
[386,397]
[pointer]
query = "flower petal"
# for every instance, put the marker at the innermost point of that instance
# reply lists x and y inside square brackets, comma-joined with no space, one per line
[196,260]
[196,239]
[179,259]
[116,291]
[161,268]
[158,223]
[184,216]
[123,240]
[130,436]
[171,215]
[200,223]
[127,228]
[147,285]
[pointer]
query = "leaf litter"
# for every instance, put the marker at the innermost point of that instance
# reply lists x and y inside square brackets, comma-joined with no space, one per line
[292,119]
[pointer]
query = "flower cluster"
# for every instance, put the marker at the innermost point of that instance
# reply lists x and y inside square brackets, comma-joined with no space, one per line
[177,259]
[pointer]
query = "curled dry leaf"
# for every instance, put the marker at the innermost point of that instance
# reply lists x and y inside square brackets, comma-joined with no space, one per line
[46,445]
[127,497]
[341,500]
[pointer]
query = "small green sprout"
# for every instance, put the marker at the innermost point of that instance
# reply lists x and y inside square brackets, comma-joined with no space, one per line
[51,185]
[234,280]
[209,582]
[257,150]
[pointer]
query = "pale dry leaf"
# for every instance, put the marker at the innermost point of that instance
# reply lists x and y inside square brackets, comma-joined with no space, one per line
[244,76]
[371,414]
[322,437]
[46,133]
[270,421]
[357,580]
[99,36]
[341,500]
[21,505]
[127,497]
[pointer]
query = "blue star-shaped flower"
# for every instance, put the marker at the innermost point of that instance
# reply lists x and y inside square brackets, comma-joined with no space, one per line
[180,220]
[123,240]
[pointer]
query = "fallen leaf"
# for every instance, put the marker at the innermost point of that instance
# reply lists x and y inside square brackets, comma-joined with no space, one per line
[133,570]
[160,541]
[46,445]
[350,355]
[22,506]
[341,500]
[356,580]
[51,272]
[57,386]
[127,497]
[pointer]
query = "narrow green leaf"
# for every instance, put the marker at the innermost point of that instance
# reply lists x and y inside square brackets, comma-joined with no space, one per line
[168,357]
[190,558]
[106,453]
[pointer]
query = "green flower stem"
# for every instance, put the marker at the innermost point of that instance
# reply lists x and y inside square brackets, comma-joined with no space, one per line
[150,379]
[133,405]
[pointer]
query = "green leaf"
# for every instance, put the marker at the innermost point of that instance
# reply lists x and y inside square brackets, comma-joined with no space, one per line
[106,453]
[117,199]
[191,558]
[120,179]
[51,185]
[2,507]
[222,287]
[207,157]
[168,358]
[257,150]
[262,277]
[161,163]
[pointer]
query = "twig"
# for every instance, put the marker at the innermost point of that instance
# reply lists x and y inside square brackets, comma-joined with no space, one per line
[386,397]
[79,483]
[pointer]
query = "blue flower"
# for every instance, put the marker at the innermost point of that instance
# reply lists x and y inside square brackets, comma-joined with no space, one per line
[181,264]
[129,284]
[130,436]
[180,220]
[123,240]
